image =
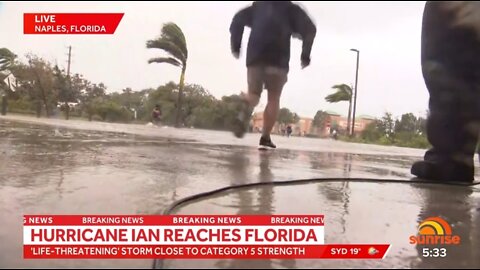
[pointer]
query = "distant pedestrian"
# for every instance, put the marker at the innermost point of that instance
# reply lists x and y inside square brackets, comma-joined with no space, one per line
[156,115]
[289,130]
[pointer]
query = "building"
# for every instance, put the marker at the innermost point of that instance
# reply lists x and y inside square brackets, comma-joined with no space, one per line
[256,123]
[340,123]
[305,125]
[301,128]
[362,121]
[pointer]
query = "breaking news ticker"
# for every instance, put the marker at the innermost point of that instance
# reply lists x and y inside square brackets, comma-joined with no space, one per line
[186,237]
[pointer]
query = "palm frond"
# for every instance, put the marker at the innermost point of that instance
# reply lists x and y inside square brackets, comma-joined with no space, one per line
[7,54]
[174,34]
[168,60]
[7,58]
[343,93]
[169,47]
[343,87]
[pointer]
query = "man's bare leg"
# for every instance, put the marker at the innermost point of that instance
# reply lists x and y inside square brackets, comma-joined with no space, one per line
[252,99]
[271,112]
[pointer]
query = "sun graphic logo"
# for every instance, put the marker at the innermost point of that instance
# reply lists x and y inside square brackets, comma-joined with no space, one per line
[434,231]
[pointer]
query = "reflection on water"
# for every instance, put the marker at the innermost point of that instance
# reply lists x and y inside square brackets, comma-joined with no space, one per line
[355,213]
[462,213]
[359,213]
[48,170]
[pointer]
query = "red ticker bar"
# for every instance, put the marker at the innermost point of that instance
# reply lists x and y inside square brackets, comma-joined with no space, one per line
[354,251]
[373,252]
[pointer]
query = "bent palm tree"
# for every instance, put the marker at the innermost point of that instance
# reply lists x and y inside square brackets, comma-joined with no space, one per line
[7,58]
[343,93]
[172,40]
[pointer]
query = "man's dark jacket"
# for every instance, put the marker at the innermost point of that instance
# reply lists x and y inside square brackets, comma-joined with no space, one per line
[272,24]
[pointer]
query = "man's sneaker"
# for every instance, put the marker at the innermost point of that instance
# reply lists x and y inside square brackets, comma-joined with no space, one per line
[443,171]
[266,143]
[242,121]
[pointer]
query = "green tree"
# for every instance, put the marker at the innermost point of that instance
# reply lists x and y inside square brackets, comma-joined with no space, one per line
[343,93]
[110,111]
[421,126]
[208,116]
[387,127]
[320,119]
[373,132]
[200,108]
[164,96]
[285,116]
[172,40]
[132,101]
[62,86]
[195,96]
[93,95]
[407,123]
[43,83]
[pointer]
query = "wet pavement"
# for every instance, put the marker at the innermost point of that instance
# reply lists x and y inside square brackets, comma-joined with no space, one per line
[80,167]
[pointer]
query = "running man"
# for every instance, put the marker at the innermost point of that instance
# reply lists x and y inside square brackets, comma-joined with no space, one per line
[272,24]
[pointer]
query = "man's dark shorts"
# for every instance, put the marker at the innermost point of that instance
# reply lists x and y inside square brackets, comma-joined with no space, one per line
[273,78]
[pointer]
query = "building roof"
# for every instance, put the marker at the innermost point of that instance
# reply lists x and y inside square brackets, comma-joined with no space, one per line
[332,113]
[369,117]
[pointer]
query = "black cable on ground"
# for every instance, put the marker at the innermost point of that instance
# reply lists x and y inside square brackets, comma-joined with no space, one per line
[158,263]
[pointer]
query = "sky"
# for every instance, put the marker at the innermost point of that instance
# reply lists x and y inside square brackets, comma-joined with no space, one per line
[387,34]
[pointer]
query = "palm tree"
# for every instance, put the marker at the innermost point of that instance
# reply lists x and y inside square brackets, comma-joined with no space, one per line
[172,40]
[7,58]
[319,121]
[343,93]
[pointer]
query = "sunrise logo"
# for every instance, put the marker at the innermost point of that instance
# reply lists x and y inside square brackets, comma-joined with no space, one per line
[434,231]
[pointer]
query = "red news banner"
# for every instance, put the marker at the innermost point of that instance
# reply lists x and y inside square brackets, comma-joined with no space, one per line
[185,237]
[71,23]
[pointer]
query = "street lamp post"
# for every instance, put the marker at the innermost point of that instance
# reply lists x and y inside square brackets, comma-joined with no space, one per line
[355,94]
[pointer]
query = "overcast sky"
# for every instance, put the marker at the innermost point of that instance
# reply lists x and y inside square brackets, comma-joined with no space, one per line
[386,33]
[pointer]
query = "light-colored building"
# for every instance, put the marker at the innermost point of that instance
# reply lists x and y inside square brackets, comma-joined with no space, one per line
[256,123]
[340,123]
[301,128]
[305,125]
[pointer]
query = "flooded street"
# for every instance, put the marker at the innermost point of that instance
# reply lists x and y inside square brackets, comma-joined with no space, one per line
[79,167]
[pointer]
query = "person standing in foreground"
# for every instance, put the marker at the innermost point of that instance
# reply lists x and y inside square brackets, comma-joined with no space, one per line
[272,24]
[451,69]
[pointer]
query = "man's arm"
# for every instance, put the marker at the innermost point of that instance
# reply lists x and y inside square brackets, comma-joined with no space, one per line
[303,26]
[240,20]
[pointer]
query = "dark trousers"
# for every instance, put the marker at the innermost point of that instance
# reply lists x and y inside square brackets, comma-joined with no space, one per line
[451,69]
[4,105]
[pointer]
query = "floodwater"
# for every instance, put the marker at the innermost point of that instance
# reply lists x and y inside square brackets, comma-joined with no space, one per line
[51,166]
